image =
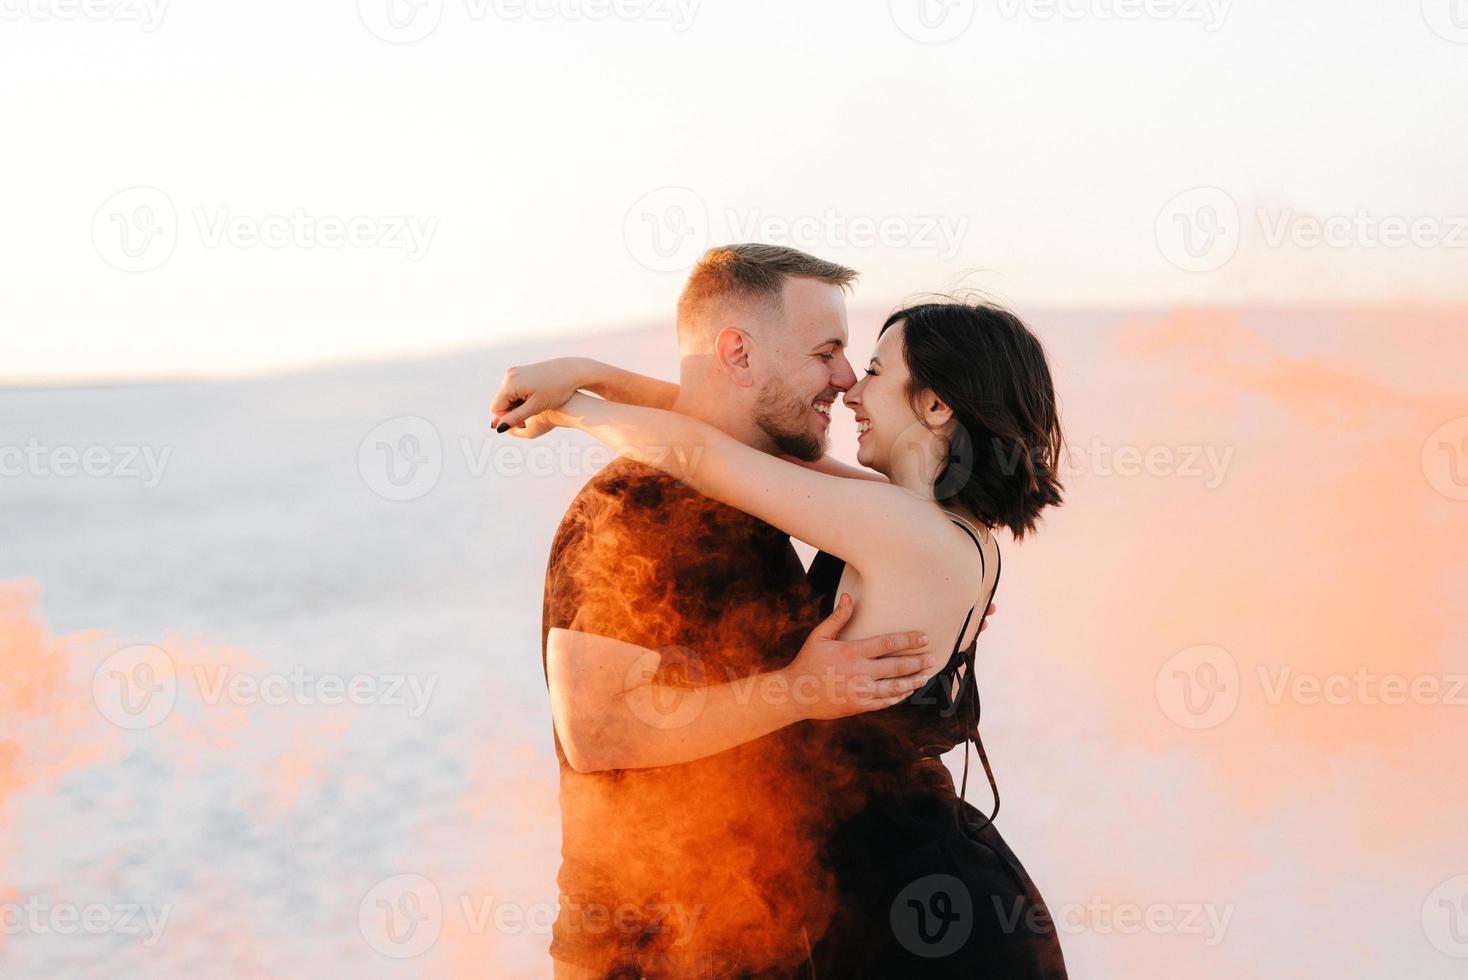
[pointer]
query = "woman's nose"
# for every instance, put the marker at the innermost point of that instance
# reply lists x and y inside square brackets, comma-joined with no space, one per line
[852,397]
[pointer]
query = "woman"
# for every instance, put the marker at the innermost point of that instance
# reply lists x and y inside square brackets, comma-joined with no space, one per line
[957,418]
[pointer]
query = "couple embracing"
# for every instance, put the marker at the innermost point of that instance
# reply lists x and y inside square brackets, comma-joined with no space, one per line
[750,751]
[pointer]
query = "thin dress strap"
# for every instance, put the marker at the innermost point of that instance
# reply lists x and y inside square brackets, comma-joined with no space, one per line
[968,686]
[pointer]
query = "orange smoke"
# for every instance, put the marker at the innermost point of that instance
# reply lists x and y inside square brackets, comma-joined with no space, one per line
[1320,559]
[47,724]
[728,847]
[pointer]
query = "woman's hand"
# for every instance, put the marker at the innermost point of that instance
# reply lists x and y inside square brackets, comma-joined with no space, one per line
[527,392]
[833,678]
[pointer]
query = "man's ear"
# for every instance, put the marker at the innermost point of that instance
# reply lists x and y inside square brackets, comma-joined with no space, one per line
[732,349]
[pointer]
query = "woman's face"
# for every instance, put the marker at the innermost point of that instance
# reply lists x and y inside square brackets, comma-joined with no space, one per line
[884,414]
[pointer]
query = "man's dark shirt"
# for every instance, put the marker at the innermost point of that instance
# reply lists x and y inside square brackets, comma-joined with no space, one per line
[717,857]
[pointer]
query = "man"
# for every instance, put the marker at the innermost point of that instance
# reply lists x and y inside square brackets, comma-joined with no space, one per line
[691,824]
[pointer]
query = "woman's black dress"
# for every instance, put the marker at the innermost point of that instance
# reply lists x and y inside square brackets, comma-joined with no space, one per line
[926,886]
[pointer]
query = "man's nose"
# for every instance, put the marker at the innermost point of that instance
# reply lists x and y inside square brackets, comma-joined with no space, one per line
[843,377]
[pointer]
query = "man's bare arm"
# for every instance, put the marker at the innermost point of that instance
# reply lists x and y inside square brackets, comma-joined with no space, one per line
[610,715]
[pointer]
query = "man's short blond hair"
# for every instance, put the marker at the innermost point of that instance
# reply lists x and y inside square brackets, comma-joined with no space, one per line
[752,274]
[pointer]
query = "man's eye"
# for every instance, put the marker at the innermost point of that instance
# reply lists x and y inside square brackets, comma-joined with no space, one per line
[828,357]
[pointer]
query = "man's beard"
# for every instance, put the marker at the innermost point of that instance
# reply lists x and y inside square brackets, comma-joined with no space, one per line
[783,417]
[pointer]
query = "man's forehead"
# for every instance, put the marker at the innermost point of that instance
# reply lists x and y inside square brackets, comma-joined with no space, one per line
[823,332]
[816,311]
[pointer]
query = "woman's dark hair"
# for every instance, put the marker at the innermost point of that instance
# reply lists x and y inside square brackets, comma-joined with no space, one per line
[987,366]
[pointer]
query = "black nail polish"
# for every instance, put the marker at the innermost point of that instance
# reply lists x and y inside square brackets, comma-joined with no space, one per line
[503,427]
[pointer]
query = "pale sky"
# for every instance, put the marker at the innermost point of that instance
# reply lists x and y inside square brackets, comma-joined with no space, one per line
[533,167]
